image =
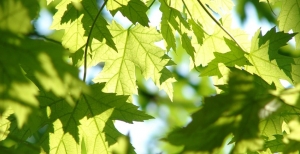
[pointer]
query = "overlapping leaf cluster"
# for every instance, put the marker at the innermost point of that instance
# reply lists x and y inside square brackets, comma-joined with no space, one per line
[42,97]
[45,108]
[222,47]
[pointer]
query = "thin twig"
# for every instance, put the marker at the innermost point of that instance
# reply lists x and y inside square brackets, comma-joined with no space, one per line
[88,40]
[35,34]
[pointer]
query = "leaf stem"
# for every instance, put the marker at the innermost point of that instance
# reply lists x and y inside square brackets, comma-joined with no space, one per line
[218,23]
[88,41]
[271,8]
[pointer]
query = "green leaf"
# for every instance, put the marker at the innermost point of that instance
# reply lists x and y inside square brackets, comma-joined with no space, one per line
[113,6]
[198,31]
[79,21]
[292,139]
[233,112]
[16,15]
[186,44]
[214,42]
[43,63]
[220,6]
[135,49]
[275,145]
[289,18]
[266,61]
[91,119]
[73,38]
[236,57]
[135,11]
[172,17]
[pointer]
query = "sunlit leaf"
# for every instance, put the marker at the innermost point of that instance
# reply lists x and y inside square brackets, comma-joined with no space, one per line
[135,49]
[214,42]
[91,119]
[135,11]
[236,57]
[266,60]
[80,20]
[289,18]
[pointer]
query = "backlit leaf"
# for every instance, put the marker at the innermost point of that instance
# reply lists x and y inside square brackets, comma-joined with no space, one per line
[289,18]
[135,49]
[91,119]
[266,60]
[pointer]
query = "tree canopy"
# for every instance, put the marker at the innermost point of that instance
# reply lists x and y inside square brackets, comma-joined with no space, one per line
[232,95]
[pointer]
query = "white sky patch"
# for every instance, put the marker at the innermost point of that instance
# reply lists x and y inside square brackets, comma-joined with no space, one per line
[140,133]
[188,92]
[151,87]
[292,41]
[252,23]
[44,22]
[285,83]
[91,72]
[121,19]
[155,16]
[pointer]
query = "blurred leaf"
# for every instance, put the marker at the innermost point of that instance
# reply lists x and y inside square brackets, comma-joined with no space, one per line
[16,15]
[43,63]
[262,9]
[233,112]
[293,138]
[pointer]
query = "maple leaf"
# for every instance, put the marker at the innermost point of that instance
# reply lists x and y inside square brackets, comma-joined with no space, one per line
[135,49]
[198,14]
[172,21]
[215,42]
[134,10]
[80,20]
[198,31]
[266,60]
[236,57]
[235,111]
[289,18]
[272,126]
[42,62]
[91,119]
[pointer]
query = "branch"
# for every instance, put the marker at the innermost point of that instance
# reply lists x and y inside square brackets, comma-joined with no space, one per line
[88,41]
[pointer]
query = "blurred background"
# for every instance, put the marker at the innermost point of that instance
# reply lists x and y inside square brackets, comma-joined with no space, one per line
[189,90]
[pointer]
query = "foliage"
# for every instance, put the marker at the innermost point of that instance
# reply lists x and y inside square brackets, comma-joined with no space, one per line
[46,108]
